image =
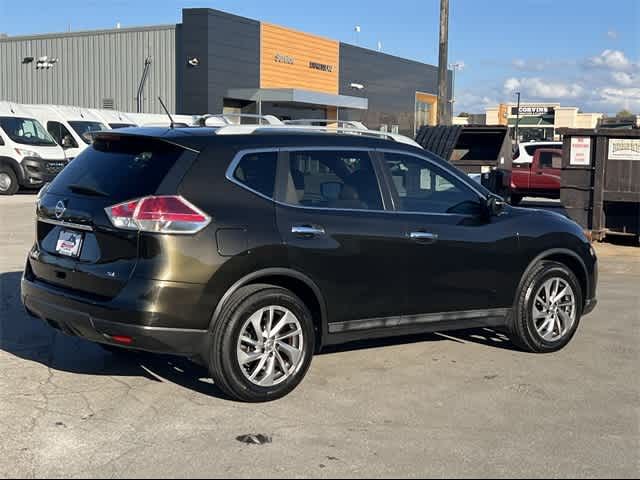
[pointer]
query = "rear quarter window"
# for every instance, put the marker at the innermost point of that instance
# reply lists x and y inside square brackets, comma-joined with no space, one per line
[257,171]
[123,168]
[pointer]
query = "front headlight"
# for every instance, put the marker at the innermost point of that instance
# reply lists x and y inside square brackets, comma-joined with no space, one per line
[27,153]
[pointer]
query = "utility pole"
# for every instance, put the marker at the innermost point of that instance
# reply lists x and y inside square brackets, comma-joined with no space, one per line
[443,104]
[518,120]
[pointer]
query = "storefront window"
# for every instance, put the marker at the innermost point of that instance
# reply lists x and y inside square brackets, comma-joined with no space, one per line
[423,114]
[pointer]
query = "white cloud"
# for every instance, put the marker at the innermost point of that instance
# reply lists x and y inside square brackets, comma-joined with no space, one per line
[467,101]
[610,59]
[606,82]
[623,78]
[612,34]
[528,65]
[540,89]
[620,97]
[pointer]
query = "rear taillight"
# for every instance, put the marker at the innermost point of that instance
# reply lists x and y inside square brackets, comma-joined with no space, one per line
[162,214]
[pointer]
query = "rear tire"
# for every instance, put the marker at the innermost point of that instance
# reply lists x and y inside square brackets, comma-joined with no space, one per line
[247,360]
[8,181]
[516,199]
[542,319]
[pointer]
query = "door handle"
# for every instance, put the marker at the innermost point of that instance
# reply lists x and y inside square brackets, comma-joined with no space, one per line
[424,237]
[307,231]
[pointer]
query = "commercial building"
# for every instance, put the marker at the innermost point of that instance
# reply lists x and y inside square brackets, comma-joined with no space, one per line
[214,62]
[540,121]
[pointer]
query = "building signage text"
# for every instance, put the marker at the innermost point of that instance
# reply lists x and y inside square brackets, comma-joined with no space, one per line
[321,66]
[624,149]
[289,60]
[532,110]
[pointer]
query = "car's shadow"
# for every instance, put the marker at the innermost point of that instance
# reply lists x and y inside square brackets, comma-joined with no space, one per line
[33,340]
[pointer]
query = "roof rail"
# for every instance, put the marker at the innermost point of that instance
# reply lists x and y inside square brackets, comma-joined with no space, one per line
[249,129]
[315,122]
[225,118]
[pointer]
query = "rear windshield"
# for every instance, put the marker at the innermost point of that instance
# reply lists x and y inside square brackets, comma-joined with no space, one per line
[85,129]
[124,168]
[531,149]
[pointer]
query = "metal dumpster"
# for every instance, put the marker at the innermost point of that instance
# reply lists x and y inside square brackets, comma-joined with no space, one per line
[475,149]
[600,181]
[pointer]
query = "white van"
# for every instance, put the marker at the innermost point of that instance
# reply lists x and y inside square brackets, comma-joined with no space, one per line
[71,127]
[162,120]
[114,119]
[29,156]
[527,150]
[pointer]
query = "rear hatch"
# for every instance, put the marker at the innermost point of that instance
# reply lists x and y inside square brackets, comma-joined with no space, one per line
[77,246]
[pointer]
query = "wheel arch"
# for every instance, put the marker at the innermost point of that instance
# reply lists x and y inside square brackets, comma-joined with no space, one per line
[299,283]
[568,258]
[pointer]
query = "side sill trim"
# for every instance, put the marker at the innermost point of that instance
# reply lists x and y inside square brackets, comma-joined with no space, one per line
[408,320]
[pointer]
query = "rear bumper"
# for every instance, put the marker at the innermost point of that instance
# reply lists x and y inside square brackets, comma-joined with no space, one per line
[98,324]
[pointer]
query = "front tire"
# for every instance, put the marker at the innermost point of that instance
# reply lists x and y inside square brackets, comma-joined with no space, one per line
[8,181]
[262,344]
[515,199]
[547,310]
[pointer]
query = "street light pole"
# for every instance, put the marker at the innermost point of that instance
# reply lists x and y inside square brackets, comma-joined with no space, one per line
[518,120]
[454,67]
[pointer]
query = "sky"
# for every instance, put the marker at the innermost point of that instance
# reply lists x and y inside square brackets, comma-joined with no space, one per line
[583,53]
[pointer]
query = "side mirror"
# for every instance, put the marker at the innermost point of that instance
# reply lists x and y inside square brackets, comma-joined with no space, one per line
[495,206]
[67,142]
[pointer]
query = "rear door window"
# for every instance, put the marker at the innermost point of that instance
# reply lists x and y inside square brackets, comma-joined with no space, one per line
[120,167]
[546,160]
[339,179]
[531,150]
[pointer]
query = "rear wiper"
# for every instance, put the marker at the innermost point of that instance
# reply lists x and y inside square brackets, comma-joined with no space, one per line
[87,190]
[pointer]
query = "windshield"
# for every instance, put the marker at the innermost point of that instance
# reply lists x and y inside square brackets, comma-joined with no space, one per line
[85,129]
[115,126]
[26,131]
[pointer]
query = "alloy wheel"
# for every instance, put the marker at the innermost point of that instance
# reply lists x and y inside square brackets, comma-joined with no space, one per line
[554,309]
[271,346]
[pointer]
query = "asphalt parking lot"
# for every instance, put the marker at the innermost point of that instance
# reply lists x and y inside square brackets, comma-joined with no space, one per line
[461,404]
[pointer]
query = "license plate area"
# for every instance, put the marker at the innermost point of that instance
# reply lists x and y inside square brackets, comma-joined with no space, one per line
[69,243]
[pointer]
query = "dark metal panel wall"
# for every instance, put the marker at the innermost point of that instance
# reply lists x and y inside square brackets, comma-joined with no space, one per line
[228,48]
[390,84]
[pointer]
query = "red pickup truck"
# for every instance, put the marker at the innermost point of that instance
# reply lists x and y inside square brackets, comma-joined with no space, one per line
[539,178]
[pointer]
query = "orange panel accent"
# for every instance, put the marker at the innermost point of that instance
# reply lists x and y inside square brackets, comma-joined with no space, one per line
[503,114]
[286,58]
